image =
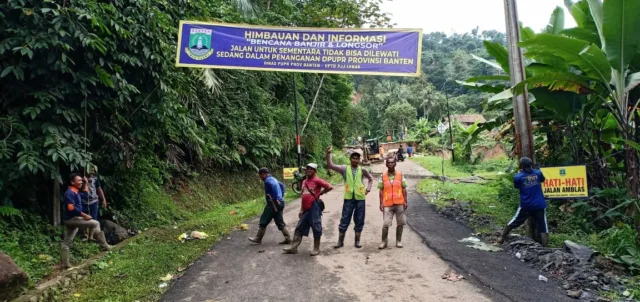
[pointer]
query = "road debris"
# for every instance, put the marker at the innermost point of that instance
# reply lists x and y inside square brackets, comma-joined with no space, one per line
[163,285]
[451,275]
[193,235]
[479,245]
[166,278]
[542,278]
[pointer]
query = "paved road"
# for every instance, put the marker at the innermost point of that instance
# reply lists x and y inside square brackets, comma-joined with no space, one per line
[236,270]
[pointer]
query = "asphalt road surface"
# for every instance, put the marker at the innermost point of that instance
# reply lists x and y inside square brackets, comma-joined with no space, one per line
[237,270]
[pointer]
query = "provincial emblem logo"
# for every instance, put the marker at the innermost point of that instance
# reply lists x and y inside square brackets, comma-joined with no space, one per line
[563,172]
[199,44]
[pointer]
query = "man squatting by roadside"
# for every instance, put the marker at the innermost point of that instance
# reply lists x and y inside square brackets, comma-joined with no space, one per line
[74,218]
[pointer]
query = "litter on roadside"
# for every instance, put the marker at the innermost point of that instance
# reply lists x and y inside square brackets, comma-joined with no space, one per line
[451,275]
[193,235]
[542,278]
[475,243]
[166,278]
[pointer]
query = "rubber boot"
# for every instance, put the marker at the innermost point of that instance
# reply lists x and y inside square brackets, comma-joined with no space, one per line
[316,247]
[544,239]
[258,238]
[293,249]
[65,258]
[399,236]
[340,241]
[357,243]
[385,233]
[287,236]
[104,246]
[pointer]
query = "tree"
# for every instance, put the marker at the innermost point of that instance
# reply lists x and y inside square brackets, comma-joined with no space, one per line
[358,121]
[85,81]
[398,116]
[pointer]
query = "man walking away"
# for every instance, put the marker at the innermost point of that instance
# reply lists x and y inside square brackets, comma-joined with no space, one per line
[410,150]
[354,195]
[532,204]
[74,218]
[393,201]
[310,213]
[274,194]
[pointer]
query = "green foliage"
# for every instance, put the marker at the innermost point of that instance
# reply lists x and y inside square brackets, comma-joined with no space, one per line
[398,116]
[620,243]
[582,94]
[482,198]
[445,59]
[137,105]
[9,211]
[95,82]
[358,121]
[34,245]
[468,137]
[488,169]
[556,23]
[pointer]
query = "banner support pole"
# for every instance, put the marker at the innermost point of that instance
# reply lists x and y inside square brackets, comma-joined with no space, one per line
[295,104]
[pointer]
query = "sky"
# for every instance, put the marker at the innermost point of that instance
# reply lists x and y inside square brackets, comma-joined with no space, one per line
[462,16]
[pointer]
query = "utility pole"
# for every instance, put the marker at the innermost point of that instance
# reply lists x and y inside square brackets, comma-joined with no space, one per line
[295,103]
[521,114]
[453,151]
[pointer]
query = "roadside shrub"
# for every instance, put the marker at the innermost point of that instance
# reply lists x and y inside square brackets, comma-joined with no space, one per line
[431,145]
[620,243]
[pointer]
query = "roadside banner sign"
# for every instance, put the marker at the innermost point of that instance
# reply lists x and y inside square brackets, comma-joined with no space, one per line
[565,182]
[287,173]
[372,51]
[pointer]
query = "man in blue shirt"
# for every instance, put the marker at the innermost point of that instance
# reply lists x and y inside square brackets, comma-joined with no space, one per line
[274,192]
[74,218]
[532,203]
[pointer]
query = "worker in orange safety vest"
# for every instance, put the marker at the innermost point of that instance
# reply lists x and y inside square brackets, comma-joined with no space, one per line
[393,201]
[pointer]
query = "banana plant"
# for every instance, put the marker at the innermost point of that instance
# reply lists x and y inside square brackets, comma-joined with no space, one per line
[598,61]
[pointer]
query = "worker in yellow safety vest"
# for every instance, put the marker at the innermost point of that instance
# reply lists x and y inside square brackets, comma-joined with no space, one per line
[393,201]
[354,195]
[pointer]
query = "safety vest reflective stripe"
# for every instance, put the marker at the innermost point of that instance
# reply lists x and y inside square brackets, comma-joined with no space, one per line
[353,187]
[392,191]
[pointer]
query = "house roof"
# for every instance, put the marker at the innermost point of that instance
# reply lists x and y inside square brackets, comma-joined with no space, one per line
[467,118]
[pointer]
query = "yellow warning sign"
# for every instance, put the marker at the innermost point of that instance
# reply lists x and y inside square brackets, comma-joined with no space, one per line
[288,172]
[565,182]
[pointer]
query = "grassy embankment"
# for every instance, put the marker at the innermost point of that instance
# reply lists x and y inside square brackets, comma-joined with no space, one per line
[134,272]
[215,204]
[494,197]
